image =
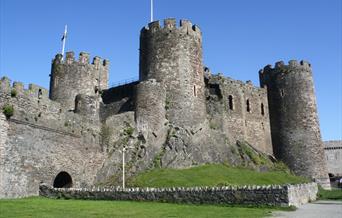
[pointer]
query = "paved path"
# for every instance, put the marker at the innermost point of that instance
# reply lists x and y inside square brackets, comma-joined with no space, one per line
[318,209]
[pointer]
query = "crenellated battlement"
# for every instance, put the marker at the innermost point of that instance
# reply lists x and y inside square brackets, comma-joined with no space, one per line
[6,87]
[280,66]
[170,25]
[83,58]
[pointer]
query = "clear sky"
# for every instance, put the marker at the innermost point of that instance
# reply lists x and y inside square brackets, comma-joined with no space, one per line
[239,38]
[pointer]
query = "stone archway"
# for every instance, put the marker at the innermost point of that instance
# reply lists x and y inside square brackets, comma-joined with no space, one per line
[62,180]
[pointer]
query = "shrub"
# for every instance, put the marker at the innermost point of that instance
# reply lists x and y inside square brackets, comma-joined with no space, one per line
[14,93]
[8,110]
[128,131]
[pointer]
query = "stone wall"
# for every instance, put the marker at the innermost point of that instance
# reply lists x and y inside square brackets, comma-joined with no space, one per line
[3,140]
[275,195]
[117,100]
[239,110]
[333,156]
[296,135]
[43,140]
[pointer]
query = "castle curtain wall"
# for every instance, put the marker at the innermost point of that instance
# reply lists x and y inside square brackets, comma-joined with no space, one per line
[40,140]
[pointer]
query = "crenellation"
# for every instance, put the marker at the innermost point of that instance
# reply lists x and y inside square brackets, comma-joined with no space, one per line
[69,57]
[170,23]
[83,58]
[19,87]
[281,67]
[36,91]
[97,61]
[154,26]
[5,84]
[106,63]
[185,26]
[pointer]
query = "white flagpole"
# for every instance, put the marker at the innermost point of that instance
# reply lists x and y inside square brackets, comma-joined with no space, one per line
[64,38]
[151,10]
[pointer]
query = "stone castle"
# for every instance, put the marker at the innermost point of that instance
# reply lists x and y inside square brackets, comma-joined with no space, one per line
[177,115]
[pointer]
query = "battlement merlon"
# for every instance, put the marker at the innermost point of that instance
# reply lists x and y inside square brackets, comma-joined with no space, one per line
[84,58]
[281,68]
[185,27]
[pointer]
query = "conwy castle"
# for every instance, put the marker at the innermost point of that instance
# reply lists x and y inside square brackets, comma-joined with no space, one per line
[178,114]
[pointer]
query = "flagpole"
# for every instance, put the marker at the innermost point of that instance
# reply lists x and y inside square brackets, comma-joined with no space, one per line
[64,38]
[151,10]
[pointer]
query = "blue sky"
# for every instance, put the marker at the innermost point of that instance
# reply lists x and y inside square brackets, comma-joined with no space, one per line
[239,38]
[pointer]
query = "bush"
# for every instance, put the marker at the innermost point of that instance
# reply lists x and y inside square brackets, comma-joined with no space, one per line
[8,110]
[14,93]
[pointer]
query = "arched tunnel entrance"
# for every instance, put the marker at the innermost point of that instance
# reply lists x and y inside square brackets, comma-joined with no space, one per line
[62,180]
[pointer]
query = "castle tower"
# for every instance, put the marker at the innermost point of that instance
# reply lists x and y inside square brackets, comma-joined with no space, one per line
[71,77]
[150,110]
[173,56]
[295,128]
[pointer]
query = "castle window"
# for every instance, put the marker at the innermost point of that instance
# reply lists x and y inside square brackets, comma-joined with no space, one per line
[195,91]
[230,102]
[281,92]
[248,106]
[262,109]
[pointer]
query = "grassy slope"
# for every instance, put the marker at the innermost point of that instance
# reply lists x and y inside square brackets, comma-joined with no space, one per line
[47,208]
[335,194]
[211,175]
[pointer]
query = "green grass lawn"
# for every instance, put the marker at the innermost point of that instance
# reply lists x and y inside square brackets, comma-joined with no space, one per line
[47,208]
[335,194]
[211,175]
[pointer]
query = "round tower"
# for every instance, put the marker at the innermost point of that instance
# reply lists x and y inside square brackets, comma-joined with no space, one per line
[150,110]
[70,77]
[87,105]
[295,127]
[173,56]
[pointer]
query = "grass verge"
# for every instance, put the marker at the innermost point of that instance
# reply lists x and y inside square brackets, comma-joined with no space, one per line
[334,194]
[211,175]
[49,208]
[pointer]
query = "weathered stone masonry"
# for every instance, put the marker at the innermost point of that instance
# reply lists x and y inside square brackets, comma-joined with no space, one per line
[41,139]
[294,120]
[333,157]
[177,115]
[275,195]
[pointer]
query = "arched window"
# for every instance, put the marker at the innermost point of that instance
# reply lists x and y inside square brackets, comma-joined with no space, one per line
[62,180]
[248,106]
[262,109]
[230,102]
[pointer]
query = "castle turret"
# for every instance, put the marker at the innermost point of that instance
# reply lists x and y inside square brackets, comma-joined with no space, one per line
[173,56]
[295,128]
[70,77]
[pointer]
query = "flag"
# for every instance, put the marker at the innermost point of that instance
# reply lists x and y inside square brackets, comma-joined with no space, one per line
[64,36]
[65,33]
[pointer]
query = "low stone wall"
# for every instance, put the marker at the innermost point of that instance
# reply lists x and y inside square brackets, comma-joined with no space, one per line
[275,195]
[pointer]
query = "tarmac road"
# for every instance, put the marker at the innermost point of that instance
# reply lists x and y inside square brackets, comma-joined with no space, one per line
[318,209]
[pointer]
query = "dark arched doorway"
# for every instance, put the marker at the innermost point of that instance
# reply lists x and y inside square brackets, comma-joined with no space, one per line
[62,180]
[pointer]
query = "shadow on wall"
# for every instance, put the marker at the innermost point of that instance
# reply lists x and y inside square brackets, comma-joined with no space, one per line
[62,180]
